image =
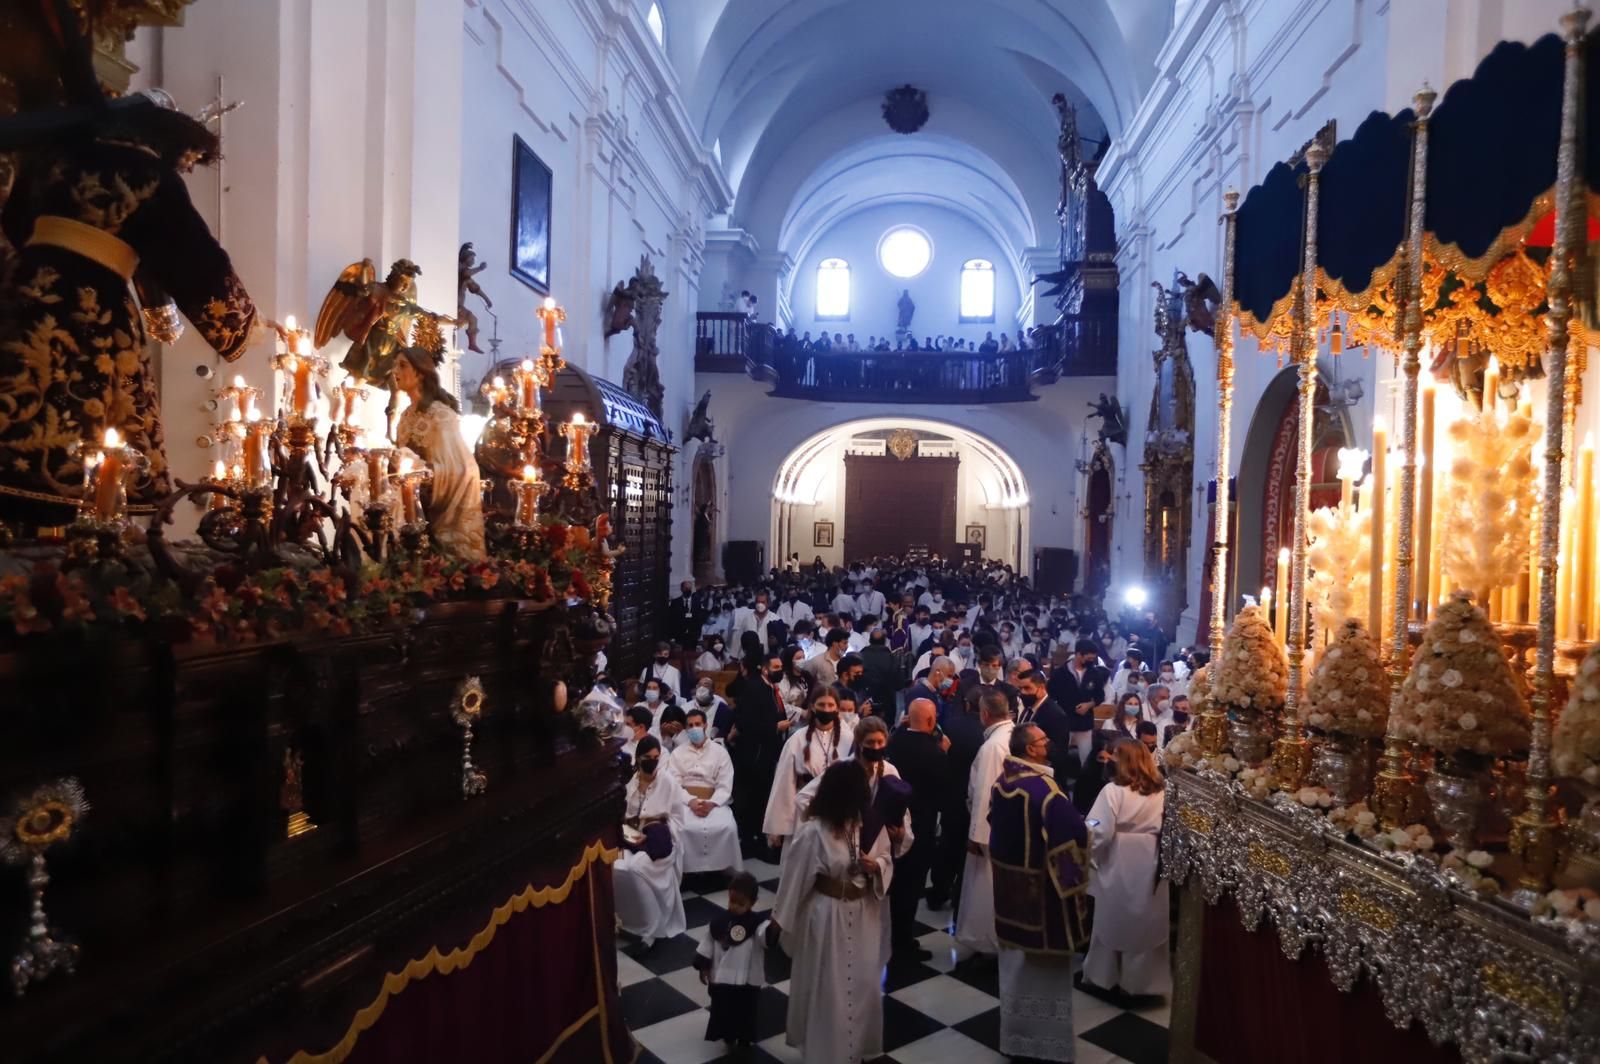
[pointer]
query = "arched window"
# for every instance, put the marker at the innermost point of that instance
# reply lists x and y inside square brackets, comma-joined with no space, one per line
[977,290]
[658,29]
[833,290]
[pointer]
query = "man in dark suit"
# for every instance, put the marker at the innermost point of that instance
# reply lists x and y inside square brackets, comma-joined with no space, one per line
[760,725]
[685,617]
[1039,708]
[920,758]
[985,678]
[965,732]
[1079,686]
[880,675]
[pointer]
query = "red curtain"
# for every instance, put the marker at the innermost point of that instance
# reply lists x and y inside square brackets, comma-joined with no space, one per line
[1258,1007]
[542,987]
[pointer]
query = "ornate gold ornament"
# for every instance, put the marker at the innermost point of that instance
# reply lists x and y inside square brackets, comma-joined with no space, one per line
[465,708]
[902,443]
[37,822]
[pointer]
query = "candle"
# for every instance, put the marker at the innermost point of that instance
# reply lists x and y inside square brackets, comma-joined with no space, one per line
[108,480]
[1266,605]
[1583,558]
[549,318]
[254,453]
[1380,448]
[1491,384]
[241,396]
[1281,619]
[1423,574]
[375,478]
[528,497]
[529,381]
[1352,461]
[1564,625]
[408,491]
[301,368]
[219,474]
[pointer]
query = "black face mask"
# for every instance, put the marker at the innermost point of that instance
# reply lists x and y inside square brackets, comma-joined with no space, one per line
[776,676]
[874,753]
[648,765]
[662,660]
[824,717]
[1180,716]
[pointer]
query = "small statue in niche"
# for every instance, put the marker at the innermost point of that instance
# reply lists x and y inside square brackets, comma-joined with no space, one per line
[700,424]
[1113,426]
[905,309]
[431,426]
[619,311]
[467,269]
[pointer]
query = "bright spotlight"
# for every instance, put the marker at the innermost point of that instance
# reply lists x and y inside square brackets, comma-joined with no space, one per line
[1136,597]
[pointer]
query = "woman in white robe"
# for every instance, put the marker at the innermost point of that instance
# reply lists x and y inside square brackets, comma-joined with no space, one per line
[1128,946]
[805,756]
[705,772]
[649,903]
[829,907]
[431,426]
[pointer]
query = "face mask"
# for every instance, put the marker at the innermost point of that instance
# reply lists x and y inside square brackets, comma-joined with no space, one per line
[1166,677]
[1132,711]
[873,753]
[662,659]
[803,643]
[716,648]
[652,697]
[988,675]
[824,717]
[945,685]
[697,735]
[776,675]
[703,697]
[1180,716]
[648,765]
[761,607]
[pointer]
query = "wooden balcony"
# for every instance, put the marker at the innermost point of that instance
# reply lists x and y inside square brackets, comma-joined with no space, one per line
[1073,347]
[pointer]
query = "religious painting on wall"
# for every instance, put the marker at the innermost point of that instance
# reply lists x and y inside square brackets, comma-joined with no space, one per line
[822,534]
[978,535]
[531,187]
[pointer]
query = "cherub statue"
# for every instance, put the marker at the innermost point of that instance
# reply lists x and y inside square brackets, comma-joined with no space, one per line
[1113,426]
[467,268]
[1200,302]
[378,319]
[619,310]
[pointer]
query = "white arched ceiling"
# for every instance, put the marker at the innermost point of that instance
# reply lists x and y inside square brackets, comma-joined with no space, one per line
[801,474]
[792,88]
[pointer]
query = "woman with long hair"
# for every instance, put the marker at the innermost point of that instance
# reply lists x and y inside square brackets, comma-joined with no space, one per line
[1128,947]
[1130,711]
[646,877]
[807,754]
[796,685]
[830,908]
[431,426]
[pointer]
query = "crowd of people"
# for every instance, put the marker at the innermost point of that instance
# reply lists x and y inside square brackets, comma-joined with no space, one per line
[790,342]
[897,732]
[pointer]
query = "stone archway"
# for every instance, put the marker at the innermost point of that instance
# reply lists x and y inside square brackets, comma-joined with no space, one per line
[705,539]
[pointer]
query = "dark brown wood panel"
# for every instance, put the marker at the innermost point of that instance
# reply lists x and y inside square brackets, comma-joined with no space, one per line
[892,505]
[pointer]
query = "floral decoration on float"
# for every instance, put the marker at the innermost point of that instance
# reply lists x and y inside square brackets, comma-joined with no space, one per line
[1250,681]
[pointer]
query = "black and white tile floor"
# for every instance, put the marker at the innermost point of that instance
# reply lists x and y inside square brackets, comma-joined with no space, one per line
[932,1014]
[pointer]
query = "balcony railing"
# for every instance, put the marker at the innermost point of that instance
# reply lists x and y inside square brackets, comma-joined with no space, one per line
[1073,347]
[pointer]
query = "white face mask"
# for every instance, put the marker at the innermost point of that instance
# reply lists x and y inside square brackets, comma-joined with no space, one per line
[652,697]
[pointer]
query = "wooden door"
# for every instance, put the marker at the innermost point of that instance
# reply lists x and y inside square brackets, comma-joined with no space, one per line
[892,505]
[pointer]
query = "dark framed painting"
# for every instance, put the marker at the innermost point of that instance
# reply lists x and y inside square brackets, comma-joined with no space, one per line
[822,534]
[531,187]
[978,535]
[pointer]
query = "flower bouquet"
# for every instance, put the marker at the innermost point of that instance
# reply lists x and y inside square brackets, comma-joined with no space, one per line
[1489,501]
[1339,559]
[1347,694]
[1460,701]
[1250,681]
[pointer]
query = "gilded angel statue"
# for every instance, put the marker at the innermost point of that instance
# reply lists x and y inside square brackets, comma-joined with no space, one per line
[379,319]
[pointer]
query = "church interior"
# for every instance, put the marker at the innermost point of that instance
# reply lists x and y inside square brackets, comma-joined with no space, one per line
[916,531]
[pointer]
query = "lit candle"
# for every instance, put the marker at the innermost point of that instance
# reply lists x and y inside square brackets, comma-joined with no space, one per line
[1352,460]
[375,477]
[549,316]
[1391,539]
[1266,605]
[1422,575]
[219,475]
[529,380]
[254,447]
[1380,448]
[578,458]
[108,481]
[1281,620]
[241,396]
[1491,384]
[408,491]
[301,368]
[1583,567]
[1564,625]
[528,497]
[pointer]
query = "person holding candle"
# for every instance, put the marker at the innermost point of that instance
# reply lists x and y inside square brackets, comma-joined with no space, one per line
[431,426]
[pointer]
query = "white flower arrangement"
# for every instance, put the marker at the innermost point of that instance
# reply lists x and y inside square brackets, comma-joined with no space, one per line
[1200,689]
[1338,557]
[1459,695]
[1576,747]
[1579,905]
[1253,673]
[1347,694]
[1488,500]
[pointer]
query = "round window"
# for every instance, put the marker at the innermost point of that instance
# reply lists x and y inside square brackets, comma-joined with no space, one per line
[905,251]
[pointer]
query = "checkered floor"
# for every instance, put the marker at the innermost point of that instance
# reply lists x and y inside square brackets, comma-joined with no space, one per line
[665,1004]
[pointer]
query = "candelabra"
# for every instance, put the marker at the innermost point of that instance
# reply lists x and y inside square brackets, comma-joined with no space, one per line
[528,490]
[409,477]
[550,351]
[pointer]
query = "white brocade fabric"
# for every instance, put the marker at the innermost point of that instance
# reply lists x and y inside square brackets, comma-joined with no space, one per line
[1036,1005]
[455,507]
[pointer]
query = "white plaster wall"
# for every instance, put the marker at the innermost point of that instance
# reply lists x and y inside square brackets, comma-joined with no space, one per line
[1240,85]
[874,292]
[1041,437]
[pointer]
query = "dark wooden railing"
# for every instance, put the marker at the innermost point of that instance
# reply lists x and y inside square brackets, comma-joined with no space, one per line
[1072,347]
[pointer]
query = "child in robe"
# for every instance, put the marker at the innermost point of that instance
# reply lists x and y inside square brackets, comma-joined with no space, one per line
[732,963]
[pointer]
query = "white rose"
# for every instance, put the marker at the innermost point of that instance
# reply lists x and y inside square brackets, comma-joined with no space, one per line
[1467,635]
[1591,908]
[1562,902]
[1451,678]
[1366,818]
[1363,715]
[1467,722]
[1424,842]
[1307,796]
[1479,859]
[1325,800]
[1400,837]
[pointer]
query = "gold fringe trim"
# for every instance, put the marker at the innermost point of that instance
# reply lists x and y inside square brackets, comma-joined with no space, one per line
[446,963]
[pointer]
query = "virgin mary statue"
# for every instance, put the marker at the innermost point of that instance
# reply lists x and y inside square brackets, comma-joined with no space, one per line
[431,426]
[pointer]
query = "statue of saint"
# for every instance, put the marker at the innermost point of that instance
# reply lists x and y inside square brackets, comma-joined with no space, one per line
[907,309]
[431,426]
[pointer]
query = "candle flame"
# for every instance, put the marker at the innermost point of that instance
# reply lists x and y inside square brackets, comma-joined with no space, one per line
[1283,554]
[238,470]
[499,384]
[549,302]
[1494,365]
[219,470]
[579,419]
[254,414]
[1352,461]
[405,465]
[1588,441]
[527,365]
[529,474]
[238,382]
[288,324]
[112,438]
[1266,594]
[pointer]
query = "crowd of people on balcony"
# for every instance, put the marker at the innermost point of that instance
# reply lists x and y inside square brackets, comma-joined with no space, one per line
[920,683]
[847,343]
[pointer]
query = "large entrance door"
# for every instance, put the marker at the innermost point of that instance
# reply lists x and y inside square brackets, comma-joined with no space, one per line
[892,505]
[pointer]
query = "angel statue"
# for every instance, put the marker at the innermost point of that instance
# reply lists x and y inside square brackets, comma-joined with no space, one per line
[378,319]
[467,269]
[431,426]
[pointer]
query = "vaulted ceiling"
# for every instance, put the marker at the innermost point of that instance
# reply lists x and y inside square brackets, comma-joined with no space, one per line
[790,89]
